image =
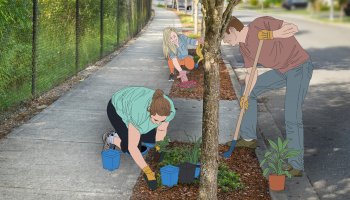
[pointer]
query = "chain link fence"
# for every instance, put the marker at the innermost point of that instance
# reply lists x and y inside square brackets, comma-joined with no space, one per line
[45,42]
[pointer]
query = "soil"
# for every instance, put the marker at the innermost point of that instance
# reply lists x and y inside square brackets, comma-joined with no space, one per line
[243,161]
[226,89]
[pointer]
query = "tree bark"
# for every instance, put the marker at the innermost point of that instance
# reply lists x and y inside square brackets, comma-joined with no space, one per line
[215,22]
[210,128]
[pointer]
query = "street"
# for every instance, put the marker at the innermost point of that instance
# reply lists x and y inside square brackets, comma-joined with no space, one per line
[326,110]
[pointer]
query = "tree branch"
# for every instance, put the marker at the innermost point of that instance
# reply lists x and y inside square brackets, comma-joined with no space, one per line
[226,16]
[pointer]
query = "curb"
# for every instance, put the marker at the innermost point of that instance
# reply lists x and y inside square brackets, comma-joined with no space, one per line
[296,187]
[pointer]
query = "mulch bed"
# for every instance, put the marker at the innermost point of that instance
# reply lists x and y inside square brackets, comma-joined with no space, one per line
[243,161]
[226,89]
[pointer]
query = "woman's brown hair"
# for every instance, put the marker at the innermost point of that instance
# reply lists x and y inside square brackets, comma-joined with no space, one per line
[159,105]
[235,23]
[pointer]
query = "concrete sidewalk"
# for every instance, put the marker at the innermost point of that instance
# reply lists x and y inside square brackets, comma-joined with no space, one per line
[56,155]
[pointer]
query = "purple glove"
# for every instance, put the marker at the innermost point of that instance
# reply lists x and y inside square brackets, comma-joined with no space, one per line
[183,76]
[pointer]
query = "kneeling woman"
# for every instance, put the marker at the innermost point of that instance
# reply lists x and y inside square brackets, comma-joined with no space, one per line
[139,114]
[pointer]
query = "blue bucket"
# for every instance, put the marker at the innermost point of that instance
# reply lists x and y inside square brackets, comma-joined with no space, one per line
[169,175]
[110,159]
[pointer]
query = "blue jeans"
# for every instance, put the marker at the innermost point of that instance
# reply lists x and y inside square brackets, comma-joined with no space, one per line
[296,82]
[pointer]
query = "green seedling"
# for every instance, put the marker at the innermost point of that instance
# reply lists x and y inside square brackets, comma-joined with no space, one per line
[228,180]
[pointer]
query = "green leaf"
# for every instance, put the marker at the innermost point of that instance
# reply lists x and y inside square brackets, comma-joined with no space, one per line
[272,166]
[280,144]
[279,168]
[287,174]
[266,171]
[273,145]
[267,154]
[262,163]
[292,154]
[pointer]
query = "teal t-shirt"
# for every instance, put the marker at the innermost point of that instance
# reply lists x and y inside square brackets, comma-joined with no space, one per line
[132,105]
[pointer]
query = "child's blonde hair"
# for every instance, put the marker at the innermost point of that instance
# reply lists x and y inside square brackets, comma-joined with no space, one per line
[167,45]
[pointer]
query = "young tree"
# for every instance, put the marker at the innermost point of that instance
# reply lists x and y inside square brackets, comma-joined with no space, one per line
[195,16]
[215,24]
[342,4]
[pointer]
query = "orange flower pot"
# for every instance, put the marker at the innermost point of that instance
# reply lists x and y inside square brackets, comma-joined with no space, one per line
[277,182]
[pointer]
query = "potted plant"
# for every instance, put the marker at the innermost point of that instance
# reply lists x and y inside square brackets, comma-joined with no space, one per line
[162,145]
[274,159]
[191,165]
[194,156]
[169,175]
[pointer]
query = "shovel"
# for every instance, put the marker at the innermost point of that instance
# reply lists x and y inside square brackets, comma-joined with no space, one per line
[228,153]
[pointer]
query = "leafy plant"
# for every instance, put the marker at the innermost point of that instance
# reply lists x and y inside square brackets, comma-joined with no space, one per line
[174,156]
[276,156]
[163,144]
[194,152]
[228,180]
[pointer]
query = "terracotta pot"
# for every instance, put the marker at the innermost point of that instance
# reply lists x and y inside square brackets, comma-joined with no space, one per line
[277,182]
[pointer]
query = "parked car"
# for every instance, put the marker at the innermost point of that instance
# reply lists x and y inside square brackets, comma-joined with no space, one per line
[293,4]
[172,4]
[182,4]
[347,9]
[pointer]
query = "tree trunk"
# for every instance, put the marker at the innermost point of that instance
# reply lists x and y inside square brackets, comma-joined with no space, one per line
[203,24]
[192,13]
[195,17]
[210,128]
[331,11]
[215,24]
[341,11]
[186,6]
[177,5]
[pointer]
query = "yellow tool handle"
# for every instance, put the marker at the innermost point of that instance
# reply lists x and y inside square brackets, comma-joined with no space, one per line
[252,74]
[199,52]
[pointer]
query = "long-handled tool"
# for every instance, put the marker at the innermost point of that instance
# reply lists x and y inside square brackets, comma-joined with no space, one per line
[228,153]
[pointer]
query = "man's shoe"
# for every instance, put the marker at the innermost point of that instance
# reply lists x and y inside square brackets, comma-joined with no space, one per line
[171,77]
[243,143]
[294,172]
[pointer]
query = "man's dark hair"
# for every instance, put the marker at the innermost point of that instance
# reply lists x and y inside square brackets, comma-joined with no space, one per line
[235,23]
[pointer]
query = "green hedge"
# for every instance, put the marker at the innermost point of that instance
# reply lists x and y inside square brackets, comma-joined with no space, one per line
[56,40]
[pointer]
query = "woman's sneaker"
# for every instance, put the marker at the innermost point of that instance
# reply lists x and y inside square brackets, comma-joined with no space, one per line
[171,77]
[105,137]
